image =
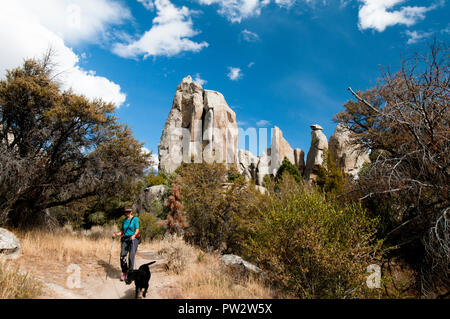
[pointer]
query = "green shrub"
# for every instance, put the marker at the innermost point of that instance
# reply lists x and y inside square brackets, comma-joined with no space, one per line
[289,168]
[153,180]
[311,247]
[215,209]
[329,176]
[149,227]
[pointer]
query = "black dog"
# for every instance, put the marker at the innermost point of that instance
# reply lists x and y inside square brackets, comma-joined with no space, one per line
[141,277]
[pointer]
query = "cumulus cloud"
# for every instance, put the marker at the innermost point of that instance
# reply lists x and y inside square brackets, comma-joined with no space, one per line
[236,10]
[378,14]
[29,29]
[148,4]
[234,74]
[169,35]
[199,80]
[417,36]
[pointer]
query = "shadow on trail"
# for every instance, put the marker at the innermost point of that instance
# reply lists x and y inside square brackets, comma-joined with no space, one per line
[112,272]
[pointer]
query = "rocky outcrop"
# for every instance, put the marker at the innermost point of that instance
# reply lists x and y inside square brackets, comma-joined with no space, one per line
[149,197]
[248,165]
[9,245]
[220,130]
[200,127]
[347,154]
[314,160]
[270,161]
[279,149]
[299,157]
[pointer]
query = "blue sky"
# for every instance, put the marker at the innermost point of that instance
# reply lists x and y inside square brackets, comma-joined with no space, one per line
[277,62]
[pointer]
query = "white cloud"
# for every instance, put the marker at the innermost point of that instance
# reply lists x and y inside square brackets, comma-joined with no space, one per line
[263,123]
[148,4]
[249,36]
[234,74]
[236,10]
[27,31]
[374,14]
[154,158]
[287,3]
[199,80]
[251,64]
[168,36]
[74,21]
[417,36]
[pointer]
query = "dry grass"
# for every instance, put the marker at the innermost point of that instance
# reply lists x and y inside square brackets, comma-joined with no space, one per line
[202,276]
[17,285]
[195,274]
[64,246]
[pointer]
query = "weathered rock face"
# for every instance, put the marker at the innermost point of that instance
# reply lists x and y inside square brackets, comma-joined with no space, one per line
[279,149]
[9,245]
[263,166]
[319,144]
[200,127]
[299,157]
[348,155]
[147,198]
[220,125]
[248,164]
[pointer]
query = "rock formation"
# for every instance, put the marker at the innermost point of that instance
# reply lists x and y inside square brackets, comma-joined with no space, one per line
[347,155]
[314,159]
[270,161]
[9,245]
[200,127]
[248,164]
[279,149]
[299,157]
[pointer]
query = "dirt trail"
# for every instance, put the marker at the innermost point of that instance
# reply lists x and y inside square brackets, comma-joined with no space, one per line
[113,288]
[95,285]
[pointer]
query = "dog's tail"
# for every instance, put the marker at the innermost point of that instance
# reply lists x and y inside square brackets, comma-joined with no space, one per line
[150,263]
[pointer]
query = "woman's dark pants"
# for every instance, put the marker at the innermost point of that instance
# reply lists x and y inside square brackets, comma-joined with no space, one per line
[128,247]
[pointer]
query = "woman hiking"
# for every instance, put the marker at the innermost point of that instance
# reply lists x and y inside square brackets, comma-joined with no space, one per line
[129,241]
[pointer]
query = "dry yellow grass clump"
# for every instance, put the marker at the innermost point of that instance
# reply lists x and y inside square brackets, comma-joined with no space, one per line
[201,275]
[17,285]
[65,245]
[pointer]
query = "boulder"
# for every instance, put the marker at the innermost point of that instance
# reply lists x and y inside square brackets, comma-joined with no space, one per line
[261,189]
[239,265]
[155,192]
[9,245]
[147,198]
[247,164]
[314,160]
[348,155]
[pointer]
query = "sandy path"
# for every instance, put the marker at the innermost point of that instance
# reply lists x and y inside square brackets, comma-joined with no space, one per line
[113,288]
[95,285]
